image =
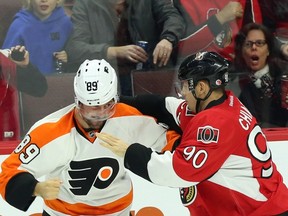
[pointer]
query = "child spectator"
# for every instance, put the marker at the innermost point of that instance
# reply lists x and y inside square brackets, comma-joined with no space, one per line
[43,28]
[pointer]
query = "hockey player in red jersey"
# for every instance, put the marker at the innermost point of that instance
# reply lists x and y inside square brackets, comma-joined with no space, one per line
[222,165]
[80,176]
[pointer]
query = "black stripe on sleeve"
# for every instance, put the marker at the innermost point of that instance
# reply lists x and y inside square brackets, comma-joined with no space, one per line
[136,159]
[19,191]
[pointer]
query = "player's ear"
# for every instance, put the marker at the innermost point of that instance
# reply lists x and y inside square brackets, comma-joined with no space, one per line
[202,86]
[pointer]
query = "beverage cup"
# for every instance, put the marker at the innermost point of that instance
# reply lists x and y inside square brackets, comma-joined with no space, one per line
[142,65]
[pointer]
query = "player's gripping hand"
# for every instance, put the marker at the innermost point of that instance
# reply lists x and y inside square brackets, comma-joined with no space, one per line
[49,189]
[117,146]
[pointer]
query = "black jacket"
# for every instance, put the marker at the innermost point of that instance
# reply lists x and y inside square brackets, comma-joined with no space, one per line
[266,109]
[96,22]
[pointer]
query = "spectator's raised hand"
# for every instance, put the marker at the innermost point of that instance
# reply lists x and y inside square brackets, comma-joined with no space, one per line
[132,53]
[162,52]
[48,189]
[62,55]
[21,49]
[284,49]
[231,11]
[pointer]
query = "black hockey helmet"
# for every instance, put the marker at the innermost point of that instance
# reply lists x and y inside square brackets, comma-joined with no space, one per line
[208,66]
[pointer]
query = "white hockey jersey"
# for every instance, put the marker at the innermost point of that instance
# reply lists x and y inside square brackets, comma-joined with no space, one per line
[95,181]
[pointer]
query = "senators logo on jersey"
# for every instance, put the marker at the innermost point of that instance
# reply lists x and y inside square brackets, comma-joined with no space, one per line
[188,195]
[207,134]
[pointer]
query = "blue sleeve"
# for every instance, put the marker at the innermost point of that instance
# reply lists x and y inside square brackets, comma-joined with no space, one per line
[13,36]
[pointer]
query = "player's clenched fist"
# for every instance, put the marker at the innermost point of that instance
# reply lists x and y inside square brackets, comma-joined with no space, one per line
[49,189]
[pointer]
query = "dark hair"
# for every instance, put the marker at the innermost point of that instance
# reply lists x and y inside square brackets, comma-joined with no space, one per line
[240,39]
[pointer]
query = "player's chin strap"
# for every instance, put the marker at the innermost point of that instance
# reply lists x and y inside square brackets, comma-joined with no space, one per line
[198,100]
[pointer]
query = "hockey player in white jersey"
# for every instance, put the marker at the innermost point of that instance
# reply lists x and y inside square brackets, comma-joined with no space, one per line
[81,177]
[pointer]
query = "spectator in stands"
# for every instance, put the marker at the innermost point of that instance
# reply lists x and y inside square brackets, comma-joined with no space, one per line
[280,9]
[43,28]
[97,22]
[255,56]
[21,76]
[275,18]
[212,25]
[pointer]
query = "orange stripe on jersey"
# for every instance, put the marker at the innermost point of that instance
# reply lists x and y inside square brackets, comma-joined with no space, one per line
[171,137]
[122,109]
[40,135]
[83,209]
[5,176]
[52,130]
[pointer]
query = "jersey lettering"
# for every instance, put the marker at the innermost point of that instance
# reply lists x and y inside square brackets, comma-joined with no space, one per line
[245,118]
[22,144]
[259,150]
[99,172]
[198,157]
[29,153]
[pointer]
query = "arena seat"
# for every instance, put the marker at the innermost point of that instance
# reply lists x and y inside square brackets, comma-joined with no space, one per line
[154,82]
[60,93]
[8,8]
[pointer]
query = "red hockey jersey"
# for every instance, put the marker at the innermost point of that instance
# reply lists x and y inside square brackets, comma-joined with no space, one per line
[223,164]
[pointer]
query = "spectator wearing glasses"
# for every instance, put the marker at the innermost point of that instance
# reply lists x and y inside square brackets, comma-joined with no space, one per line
[260,84]
[212,25]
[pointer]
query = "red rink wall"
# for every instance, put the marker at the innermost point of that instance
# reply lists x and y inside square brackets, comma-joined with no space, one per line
[148,198]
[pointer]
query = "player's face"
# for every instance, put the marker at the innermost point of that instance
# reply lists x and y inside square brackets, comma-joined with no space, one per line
[95,115]
[43,8]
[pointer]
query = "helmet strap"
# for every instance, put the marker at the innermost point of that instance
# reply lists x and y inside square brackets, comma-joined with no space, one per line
[198,100]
